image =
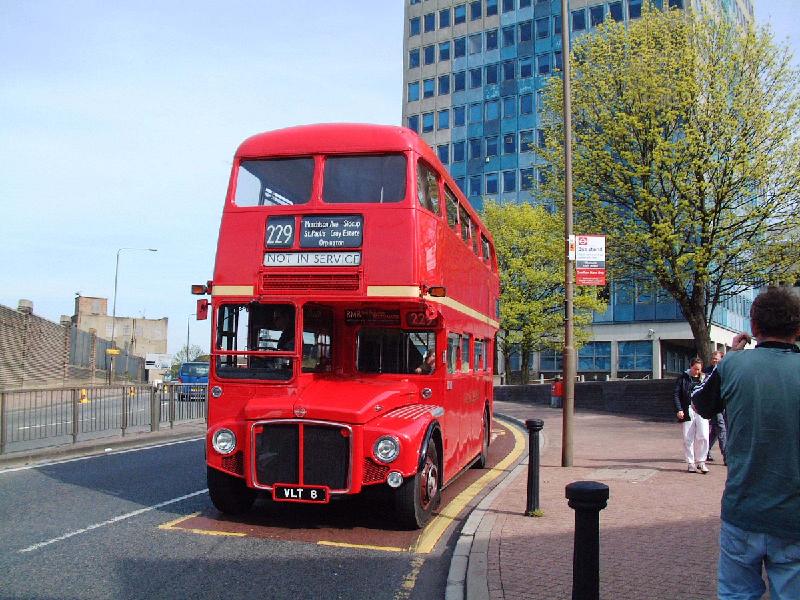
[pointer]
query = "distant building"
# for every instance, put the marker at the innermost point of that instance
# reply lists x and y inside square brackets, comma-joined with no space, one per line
[473,73]
[138,336]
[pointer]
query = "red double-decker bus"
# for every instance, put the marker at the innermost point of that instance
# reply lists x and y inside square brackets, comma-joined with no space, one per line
[354,311]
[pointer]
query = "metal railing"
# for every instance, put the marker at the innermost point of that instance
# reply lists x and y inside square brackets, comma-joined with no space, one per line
[38,418]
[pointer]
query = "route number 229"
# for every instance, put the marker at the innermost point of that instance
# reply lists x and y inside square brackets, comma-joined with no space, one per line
[280,233]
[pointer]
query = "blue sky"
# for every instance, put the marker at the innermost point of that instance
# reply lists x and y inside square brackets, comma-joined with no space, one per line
[118,123]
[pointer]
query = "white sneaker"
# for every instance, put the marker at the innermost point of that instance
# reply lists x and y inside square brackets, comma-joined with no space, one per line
[692,469]
[702,468]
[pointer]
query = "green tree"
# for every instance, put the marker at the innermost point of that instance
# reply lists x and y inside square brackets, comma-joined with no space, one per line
[685,154]
[529,242]
[192,353]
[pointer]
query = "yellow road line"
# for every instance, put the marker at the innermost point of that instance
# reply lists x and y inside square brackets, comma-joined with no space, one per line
[431,534]
[410,580]
[171,525]
[362,546]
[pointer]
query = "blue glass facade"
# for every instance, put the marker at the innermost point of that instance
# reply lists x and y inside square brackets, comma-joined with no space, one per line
[473,75]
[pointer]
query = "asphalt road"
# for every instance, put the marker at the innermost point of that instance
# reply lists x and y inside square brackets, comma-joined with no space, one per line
[90,528]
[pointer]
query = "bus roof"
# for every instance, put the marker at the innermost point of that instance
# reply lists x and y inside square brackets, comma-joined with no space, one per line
[331,138]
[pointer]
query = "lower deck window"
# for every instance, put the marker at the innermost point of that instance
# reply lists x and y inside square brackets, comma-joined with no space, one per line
[389,350]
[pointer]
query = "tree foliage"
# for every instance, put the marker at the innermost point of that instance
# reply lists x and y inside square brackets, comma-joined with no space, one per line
[186,354]
[529,242]
[685,154]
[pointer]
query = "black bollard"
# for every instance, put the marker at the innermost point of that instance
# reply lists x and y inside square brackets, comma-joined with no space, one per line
[587,498]
[534,427]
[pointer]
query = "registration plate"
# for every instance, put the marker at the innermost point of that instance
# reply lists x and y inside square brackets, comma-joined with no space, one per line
[300,493]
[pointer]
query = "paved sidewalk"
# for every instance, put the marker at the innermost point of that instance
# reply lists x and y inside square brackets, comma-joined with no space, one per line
[658,535]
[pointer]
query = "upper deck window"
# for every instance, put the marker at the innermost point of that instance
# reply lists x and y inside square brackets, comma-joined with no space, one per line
[452,210]
[274,182]
[365,179]
[427,188]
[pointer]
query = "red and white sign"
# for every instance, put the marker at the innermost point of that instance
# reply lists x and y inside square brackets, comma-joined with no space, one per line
[590,260]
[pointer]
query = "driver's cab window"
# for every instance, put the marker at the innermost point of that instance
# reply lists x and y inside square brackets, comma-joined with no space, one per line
[268,329]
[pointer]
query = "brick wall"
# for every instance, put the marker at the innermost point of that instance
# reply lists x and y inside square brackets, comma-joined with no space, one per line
[650,399]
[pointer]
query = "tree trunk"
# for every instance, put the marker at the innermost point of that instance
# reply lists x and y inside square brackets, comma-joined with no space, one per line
[525,374]
[701,331]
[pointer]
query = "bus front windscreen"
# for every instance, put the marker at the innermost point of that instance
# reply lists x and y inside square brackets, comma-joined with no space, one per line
[274,182]
[364,179]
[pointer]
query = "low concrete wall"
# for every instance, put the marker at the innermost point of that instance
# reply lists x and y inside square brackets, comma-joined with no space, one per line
[651,399]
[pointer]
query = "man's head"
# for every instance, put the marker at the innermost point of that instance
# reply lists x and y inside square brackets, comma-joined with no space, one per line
[776,314]
[716,356]
[696,366]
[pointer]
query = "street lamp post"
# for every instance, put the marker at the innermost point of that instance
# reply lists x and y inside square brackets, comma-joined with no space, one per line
[114,306]
[188,319]
[569,343]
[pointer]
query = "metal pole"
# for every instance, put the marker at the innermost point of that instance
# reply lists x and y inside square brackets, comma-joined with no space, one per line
[124,409]
[187,338]
[114,319]
[534,427]
[2,422]
[587,498]
[569,344]
[114,306]
[75,416]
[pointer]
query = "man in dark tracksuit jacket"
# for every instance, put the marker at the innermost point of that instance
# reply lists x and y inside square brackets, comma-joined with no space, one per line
[760,390]
[695,428]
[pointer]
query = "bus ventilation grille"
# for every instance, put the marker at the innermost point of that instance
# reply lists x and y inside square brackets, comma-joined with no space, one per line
[337,282]
[234,463]
[324,449]
[373,472]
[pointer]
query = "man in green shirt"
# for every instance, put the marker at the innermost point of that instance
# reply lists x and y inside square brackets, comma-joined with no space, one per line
[760,390]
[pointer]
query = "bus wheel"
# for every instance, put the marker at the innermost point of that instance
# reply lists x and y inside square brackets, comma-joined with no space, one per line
[416,499]
[228,493]
[485,436]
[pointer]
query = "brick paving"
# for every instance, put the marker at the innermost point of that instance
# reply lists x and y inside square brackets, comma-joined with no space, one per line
[658,535]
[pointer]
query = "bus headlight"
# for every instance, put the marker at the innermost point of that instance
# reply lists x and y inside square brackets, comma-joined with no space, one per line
[386,448]
[224,441]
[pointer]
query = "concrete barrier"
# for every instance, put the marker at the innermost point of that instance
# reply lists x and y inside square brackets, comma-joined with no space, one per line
[643,398]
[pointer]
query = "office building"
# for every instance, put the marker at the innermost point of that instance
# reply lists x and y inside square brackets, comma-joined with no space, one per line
[472,88]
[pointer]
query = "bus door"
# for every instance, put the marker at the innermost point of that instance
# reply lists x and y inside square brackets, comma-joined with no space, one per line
[457,390]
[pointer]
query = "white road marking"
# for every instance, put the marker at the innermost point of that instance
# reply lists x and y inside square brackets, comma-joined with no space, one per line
[110,521]
[107,453]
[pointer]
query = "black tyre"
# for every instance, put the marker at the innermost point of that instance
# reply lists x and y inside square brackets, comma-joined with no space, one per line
[228,493]
[486,434]
[417,498]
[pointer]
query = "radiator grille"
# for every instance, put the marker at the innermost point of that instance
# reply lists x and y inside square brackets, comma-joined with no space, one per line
[234,463]
[325,452]
[373,472]
[337,282]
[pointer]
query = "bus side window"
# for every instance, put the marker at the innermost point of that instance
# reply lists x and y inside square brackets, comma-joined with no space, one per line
[464,218]
[452,210]
[487,251]
[465,353]
[473,234]
[427,188]
[479,362]
[453,347]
